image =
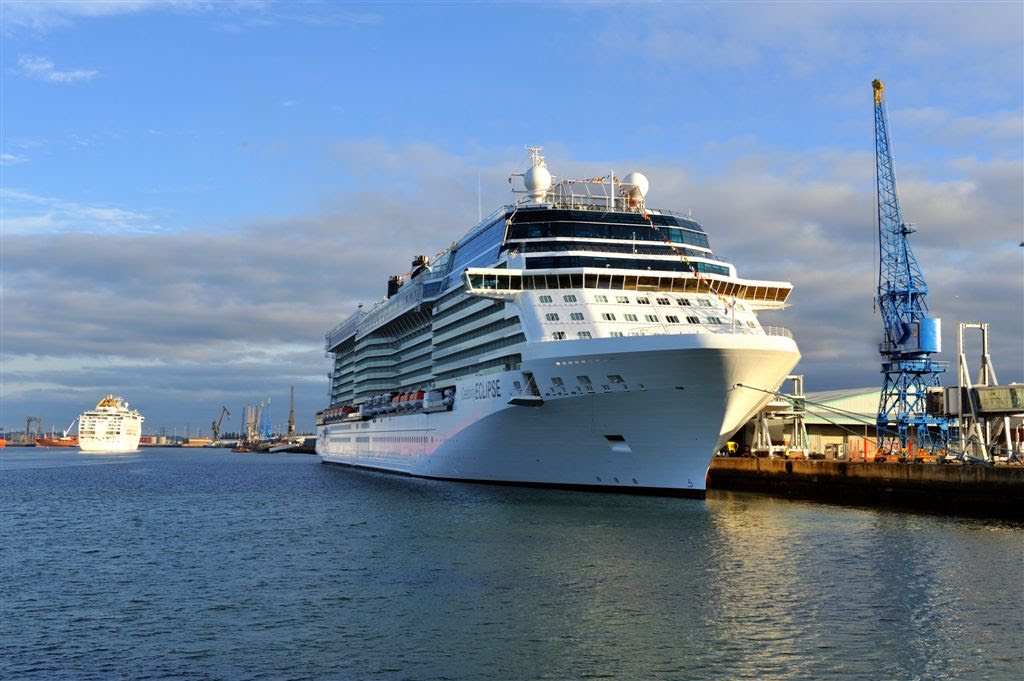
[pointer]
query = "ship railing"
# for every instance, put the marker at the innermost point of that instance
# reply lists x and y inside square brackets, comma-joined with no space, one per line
[778,331]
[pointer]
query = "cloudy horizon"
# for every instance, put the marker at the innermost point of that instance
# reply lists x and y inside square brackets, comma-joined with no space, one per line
[193,194]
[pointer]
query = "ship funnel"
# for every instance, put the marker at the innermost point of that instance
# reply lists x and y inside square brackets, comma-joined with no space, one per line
[420,264]
[394,283]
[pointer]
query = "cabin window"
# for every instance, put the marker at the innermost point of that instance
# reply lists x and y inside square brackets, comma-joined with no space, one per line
[576,316]
[615,334]
[630,317]
[600,299]
[684,301]
[643,301]
[693,320]
[551,316]
[608,316]
[569,298]
[621,299]
[651,317]
[704,302]
[545,299]
[715,320]
[672,319]
[664,301]
[583,334]
[615,378]
[558,335]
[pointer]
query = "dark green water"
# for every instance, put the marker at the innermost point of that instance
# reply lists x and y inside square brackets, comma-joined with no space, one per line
[203,564]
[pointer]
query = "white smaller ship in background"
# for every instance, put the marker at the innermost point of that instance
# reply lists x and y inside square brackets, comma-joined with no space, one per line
[110,427]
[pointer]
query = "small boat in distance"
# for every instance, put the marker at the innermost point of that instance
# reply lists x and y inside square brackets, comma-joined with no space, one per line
[57,441]
[64,440]
[110,427]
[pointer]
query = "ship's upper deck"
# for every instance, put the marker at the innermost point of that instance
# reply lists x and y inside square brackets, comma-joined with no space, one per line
[571,225]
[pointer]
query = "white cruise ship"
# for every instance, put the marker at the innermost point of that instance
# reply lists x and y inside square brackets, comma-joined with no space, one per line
[110,427]
[574,338]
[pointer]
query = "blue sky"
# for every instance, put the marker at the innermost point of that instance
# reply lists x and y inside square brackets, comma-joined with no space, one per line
[193,193]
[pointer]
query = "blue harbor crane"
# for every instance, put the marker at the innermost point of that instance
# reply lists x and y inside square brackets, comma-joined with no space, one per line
[910,336]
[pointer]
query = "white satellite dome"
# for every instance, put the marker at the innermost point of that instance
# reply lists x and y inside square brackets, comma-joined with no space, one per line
[636,186]
[537,180]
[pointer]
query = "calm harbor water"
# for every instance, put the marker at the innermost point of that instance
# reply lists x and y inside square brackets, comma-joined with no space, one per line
[204,564]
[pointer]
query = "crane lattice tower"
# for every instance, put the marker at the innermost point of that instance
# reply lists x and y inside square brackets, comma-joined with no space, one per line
[910,336]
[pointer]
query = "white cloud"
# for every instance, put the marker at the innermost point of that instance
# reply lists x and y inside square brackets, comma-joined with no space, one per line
[42,68]
[26,213]
[47,14]
[11,159]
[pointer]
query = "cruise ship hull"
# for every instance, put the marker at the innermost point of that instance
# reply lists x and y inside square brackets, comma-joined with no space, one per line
[119,446]
[643,419]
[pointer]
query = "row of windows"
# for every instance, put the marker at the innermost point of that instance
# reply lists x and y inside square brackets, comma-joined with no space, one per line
[630,317]
[591,230]
[655,319]
[555,262]
[532,247]
[641,300]
[494,281]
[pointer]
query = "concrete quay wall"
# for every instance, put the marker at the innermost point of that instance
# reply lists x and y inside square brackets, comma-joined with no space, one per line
[995,491]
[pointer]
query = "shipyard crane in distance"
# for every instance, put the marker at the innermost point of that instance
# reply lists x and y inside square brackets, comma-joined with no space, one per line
[910,336]
[215,426]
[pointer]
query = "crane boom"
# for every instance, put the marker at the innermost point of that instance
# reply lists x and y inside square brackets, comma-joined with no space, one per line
[910,336]
[215,426]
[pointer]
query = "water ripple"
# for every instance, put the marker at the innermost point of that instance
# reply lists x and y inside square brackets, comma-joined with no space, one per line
[211,565]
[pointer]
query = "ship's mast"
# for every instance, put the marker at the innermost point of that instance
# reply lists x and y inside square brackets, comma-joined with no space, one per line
[291,414]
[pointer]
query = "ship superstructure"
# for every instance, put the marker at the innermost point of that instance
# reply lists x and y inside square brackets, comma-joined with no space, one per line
[572,338]
[110,427]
